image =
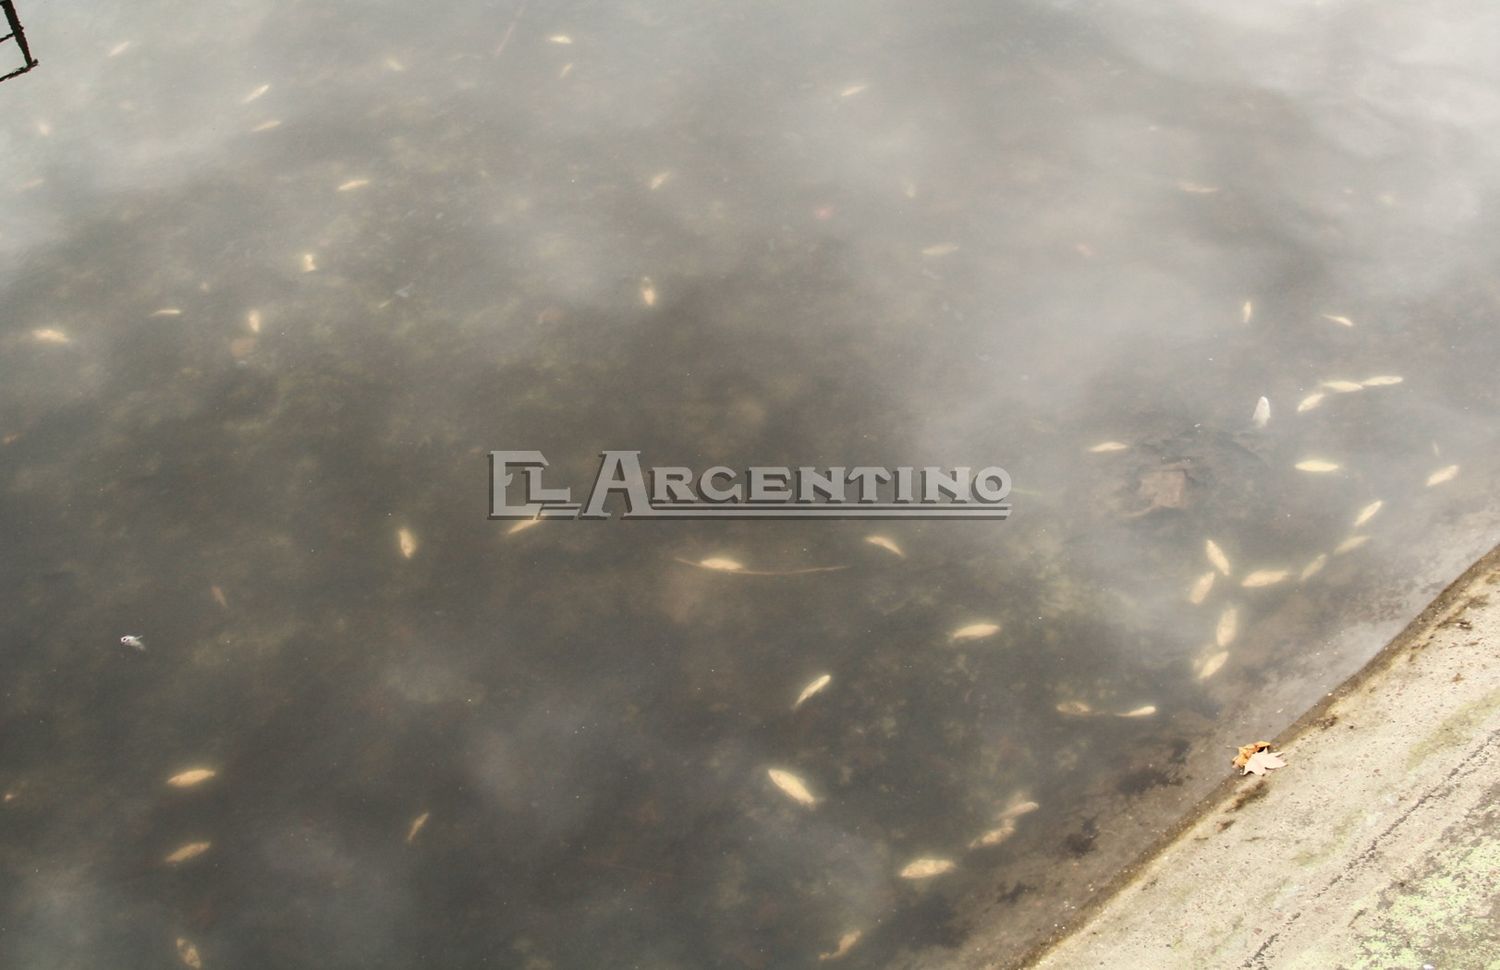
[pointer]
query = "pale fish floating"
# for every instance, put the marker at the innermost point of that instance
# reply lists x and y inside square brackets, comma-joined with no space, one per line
[1145,710]
[191,777]
[1201,587]
[218,594]
[940,249]
[1367,513]
[406,541]
[1104,447]
[846,943]
[794,787]
[1382,380]
[1316,465]
[658,180]
[1216,556]
[416,826]
[50,335]
[813,687]
[266,126]
[1074,709]
[1265,577]
[167,311]
[522,526]
[188,954]
[975,631]
[720,563]
[1343,387]
[134,642]
[191,850]
[1228,628]
[309,263]
[119,49]
[256,94]
[353,184]
[1311,401]
[1247,312]
[1262,415]
[562,39]
[926,867]
[648,291]
[1314,567]
[1193,188]
[392,64]
[1442,475]
[1341,321]
[996,835]
[565,71]
[1350,544]
[252,320]
[1210,665]
[889,545]
[852,90]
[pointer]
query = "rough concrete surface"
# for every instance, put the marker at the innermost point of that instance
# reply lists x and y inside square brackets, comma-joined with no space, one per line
[1375,847]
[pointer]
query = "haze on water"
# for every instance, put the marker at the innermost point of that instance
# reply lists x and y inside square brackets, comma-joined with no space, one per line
[1216,286]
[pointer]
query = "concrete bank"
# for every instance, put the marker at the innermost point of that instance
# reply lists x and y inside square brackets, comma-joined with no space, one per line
[1377,846]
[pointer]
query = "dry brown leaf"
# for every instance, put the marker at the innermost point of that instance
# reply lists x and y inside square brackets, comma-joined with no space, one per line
[1261,762]
[191,777]
[1246,750]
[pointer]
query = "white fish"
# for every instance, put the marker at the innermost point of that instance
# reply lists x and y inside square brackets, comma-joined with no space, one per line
[191,777]
[1107,446]
[658,180]
[1265,577]
[119,49]
[1311,401]
[1201,587]
[167,311]
[1262,414]
[416,826]
[1341,321]
[188,954]
[995,836]
[720,563]
[852,90]
[309,263]
[190,851]
[50,335]
[794,787]
[1019,808]
[1143,711]
[926,868]
[1350,544]
[648,291]
[1314,567]
[889,545]
[392,64]
[1382,380]
[133,641]
[563,39]
[975,631]
[252,320]
[940,249]
[353,184]
[1210,665]
[1193,188]
[846,943]
[1367,513]
[522,526]
[1316,465]
[1442,475]
[1228,628]
[1247,312]
[266,125]
[406,541]
[816,685]
[1074,709]
[256,93]
[1343,387]
[1216,556]
[565,71]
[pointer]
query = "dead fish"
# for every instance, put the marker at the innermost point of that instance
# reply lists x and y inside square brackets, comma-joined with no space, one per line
[1262,415]
[252,320]
[167,311]
[1201,587]
[407,542]
[190,851]
[191,777]
[1382,380]
[562,39]
[1193,188]
[658,180]
[975,631]
[188,954]
[133,641]
[1343,387]
[253,95]
[353,184]
[648,291]
[794,787]
[1146,710]
[219,597]
[852,90]
[1247,312]
[1210,665]
[1316,465]
[119,49]
[720,563]
[1442,475]
[1265,577]
[1341,321]
[1074,709]
[888,545]
[846,943]
[1367,513]
[416,826]
[1350,544]
[522,526]
[996,835]
[1314,567]
[1310,402]
[1019,808]
[1228,628]
[50,335]
[1105,447]
[266,126]
[926,868]
[309,263]
[816,685]
[1216,556]
[392,64]
[565,71]
[940,249]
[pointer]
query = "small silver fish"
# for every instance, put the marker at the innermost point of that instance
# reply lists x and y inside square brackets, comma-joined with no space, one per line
[133,641]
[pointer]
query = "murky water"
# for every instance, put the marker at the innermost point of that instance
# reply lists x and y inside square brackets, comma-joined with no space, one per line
[276,280]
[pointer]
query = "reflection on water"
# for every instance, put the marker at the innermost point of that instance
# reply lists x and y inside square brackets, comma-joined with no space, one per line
[276,280]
